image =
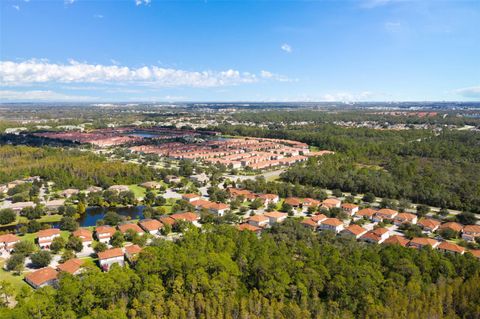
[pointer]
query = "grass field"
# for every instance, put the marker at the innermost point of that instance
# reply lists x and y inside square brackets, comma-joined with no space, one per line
[53,218]
[139,191]
[16,281]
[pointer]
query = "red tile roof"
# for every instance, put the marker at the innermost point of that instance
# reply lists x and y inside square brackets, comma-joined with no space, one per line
[167,220]
[125,227]
[188,216]
[445,245]
[105,230]
[318,217]
[309,222]
[429,223]
[293,201]
[367,212]
[41,276]
[397,240]
[110,253]
[258,218]
[133,249]
[472,229]
[248,227]
[9,238]
[48,232]
[83,234]
[275,214]
[355,229]
[422,241]
[71,265]
[453,226]
[332,222]
[151,224]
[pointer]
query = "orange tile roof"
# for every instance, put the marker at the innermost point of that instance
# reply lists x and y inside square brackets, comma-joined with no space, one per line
[167,220]
[475,253]
[397,240]
[309,222]
[368,212]
[332,222]
[133,249]
[318,217]
[453,226]
[275,214]
[151,224]
[9,238]
[429,222]
[422,241]
[349,206]
[105,230]
[48,232]
[379,231]
[268,196]
[125,227]
[355,229]
[445,245]
[387,212]
[83,234]
[188,216]
[293,201]
[406,216]
[42,276]
[190,196]
[71,265]
[472,229]
[258,218]
[110,253]
[248,227]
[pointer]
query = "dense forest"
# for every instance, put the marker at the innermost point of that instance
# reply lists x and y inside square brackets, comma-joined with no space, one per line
[436,169]
[68,168]
[288,273]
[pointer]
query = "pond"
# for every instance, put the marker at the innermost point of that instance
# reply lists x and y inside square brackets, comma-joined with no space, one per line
[92,214]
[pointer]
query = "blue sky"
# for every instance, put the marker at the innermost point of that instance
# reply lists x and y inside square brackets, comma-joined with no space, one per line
[151,50]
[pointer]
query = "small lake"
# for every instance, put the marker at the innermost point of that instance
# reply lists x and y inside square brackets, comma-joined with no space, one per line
[92,214]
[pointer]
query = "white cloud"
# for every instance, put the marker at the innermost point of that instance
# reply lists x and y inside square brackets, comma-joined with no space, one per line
[369,4]
[41,71]
[39,95]
[69,1]
[98,16]
[16,7]
[347,97]
[286,47]
[277,77]
[469,92]
[393,26]
[140,2]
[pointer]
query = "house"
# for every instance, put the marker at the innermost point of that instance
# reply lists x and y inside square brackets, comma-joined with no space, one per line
[219,208]
[258,221]
[331,203]
[130,226]
[350,209]
[72,266]
[67,193]
[85,236]
[293,201]
[242,193]
[18,206]
[151,226]
[249,227]
[310,202]
[275,217]
[119,188]
[109,257]
[269,198]
[471,232]
[188,217]
[190,197]
[456,227]
[385,214]
[447,247]
[8,241]
[354,231]
[419,242]
[43,277]
[475,253]
[318,218]
[429,225]
[397,240]
[151,185]
[94,189]
[309,223]
[172,179]
[367,213]
[332,224]
[376,236]
[46,236]
[131,253]
[405,218]
[54,204]
[104,233]
[167,220]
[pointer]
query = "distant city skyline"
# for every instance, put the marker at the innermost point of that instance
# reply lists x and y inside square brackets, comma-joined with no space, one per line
[267,51]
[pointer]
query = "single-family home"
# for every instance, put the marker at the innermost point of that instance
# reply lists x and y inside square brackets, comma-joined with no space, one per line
[405,218]
[475,253]
[258,221]
[318,218]
[130,226]
[151,185]
[18,206]
[376,236]
[471,232]
[172,179]
[219,208]
[332,224]
[104,233]
[453,226]
[43,277]
[249,227]
[8,241]
[131,253]
[309,223]
[366,213]
[119,188]
[385,214]
[419,242]
[109,257]
[151,226]
[396,240]
[293,201]
[310,202]
[46,236]
[188,217]
[331,203]
[191,197]
[275,217]
[429,225]
[85,236]
[447,247]
[167,220]
[54,204]
[350,209]
[94,189]
[72,266]
[353,231]
[69,192]
[269,198]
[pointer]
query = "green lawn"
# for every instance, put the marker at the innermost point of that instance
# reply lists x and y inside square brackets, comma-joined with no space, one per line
[53,218]
[31,237]
[139,191]
[16,281]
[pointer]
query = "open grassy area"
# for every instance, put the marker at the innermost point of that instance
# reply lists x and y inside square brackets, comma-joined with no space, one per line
[139,191]
[16,281]
[53,218]
[31,237]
